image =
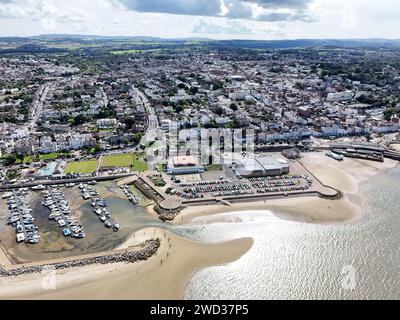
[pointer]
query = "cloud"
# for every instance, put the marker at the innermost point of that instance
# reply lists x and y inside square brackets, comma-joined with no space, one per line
[230,27]
[238,28]
[185,7]
[297,4]
[262,10]
[27,9]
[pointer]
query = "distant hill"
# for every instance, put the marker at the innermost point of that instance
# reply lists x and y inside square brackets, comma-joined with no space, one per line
[53,37]
[216,44]
[306,43]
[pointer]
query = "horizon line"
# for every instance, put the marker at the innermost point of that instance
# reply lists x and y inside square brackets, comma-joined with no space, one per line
[195,37]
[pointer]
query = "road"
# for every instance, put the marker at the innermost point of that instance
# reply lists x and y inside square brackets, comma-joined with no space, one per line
[153,127]
[7,187]
[153,124]
[38,103]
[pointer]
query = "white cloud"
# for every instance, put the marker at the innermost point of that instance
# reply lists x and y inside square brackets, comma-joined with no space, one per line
[229,27]
[264,10]
[240,29]
[258,19]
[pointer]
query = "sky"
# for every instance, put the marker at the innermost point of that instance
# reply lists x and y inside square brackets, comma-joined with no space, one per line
[215,19]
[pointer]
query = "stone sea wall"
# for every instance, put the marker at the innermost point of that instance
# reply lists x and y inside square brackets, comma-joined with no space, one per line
[150,248]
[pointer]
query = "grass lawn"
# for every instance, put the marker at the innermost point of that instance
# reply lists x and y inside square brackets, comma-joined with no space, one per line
[24,160]
[49,156]
[139,165]
[124,160]
[27,159]
[81,167]
[117,160]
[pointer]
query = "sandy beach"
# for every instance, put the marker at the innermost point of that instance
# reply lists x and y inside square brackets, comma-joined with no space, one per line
[163,276]
[345,176]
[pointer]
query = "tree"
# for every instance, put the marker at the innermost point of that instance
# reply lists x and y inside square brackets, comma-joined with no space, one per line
[219,111]
[138,136]
[80,119]
[178,109]
[97,148]
[194,90]
[233,106]
[299,85]
[181,86]
[129,122]
[9,159]
[388,113]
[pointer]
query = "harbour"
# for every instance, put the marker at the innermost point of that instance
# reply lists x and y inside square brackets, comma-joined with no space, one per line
[56,243]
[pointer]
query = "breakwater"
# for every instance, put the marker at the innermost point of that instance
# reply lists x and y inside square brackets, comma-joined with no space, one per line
[150,248]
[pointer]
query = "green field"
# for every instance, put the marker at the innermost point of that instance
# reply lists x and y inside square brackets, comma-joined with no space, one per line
[124,160]
[53,156]
[81,167]
[119,52]
[139,165]
[49,156]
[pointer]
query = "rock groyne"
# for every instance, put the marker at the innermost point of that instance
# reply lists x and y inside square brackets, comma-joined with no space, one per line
[150,248]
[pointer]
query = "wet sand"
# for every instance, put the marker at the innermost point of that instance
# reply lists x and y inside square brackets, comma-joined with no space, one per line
[163,276]
[345,176]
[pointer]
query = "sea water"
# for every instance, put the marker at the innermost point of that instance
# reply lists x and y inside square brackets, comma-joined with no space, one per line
[291,260]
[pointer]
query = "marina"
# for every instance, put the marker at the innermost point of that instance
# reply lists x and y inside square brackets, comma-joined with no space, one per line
[60,212]
[21,217]
[59,242]
[128,192]
[99,206]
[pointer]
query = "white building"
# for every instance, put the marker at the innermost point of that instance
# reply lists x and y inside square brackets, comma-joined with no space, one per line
[81,140]
[107,123]
[340,96]
[47,145]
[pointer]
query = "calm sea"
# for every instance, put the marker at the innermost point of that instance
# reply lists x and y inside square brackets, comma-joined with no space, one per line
[291,260]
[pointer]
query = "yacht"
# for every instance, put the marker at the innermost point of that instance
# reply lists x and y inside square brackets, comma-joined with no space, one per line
[79,235]
[115,226]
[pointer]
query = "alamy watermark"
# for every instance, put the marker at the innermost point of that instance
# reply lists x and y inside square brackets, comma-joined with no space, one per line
[210,146]
[349,278]
[49,279]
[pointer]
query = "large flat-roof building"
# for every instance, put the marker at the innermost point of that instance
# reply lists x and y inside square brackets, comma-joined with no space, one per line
[262,166]
[184,165]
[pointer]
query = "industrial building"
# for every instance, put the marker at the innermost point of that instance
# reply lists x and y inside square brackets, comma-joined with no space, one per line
[184,165]
[262,166]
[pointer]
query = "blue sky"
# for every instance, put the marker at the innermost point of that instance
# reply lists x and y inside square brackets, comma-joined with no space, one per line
[219,19]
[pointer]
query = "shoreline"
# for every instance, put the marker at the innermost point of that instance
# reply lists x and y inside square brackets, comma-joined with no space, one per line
[163,276]
[346,176]
[157,277]
[300,209]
